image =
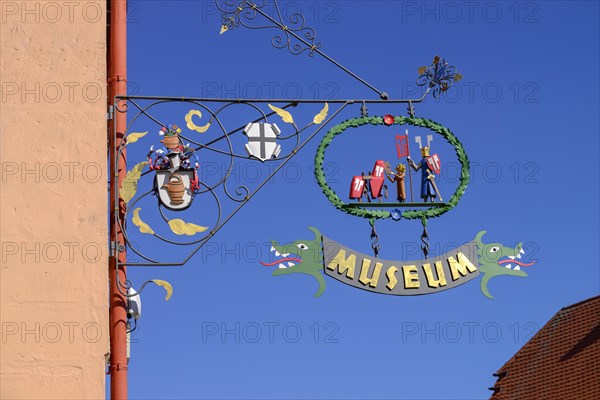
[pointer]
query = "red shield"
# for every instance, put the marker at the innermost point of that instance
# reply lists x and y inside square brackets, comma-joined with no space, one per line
[378,176]
[376,185]
[378,169]
[356,187]
[434,163]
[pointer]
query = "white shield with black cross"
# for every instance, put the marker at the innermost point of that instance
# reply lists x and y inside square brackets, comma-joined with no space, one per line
[262,139]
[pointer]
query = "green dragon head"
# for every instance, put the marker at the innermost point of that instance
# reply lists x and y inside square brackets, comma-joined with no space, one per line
[496,259]
[300,257]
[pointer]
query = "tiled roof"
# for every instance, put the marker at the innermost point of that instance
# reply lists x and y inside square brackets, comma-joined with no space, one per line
[562,361]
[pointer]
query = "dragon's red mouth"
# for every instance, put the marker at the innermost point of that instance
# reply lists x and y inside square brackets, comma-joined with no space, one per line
[522,264]
[288,260]
[510,260]
[282,260]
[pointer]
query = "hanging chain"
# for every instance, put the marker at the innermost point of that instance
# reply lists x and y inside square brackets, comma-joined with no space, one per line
[364,111]
[411,109]
[425,238]
[374,237]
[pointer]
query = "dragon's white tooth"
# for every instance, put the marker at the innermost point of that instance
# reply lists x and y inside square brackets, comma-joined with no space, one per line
[272,248]
[522,251]
[509,266]
[291,264]
[277,253]
[511,257]
[281,266]
[518,268]
[285,254]
[519,256]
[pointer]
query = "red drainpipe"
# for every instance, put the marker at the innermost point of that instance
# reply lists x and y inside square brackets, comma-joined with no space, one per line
[117,86]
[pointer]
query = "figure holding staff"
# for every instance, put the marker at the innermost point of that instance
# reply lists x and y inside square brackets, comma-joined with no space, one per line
[398,177]
[428,165]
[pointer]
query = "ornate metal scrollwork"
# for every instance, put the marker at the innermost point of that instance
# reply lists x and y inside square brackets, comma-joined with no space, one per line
[217,190]
[295,35]
[438,77]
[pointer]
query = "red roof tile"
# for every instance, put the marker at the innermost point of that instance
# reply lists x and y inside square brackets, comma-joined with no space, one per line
[562,361]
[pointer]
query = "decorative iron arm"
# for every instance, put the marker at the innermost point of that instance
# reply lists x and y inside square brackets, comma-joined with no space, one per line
[242,194]
[236,14]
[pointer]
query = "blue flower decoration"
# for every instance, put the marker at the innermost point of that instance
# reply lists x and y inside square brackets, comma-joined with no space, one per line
[396,215]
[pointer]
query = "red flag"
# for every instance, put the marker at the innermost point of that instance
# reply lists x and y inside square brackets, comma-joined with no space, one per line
[402,145]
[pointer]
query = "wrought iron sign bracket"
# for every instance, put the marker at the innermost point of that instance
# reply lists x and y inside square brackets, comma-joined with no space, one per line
[174,164]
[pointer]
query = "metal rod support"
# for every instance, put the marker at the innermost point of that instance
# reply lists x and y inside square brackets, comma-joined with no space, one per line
[382,95]
[395,205]
[298,101]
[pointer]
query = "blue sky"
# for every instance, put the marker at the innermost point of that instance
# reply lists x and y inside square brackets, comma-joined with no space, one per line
[527,115]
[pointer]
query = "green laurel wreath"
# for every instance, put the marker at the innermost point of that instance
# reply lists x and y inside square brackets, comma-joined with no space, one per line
[382,214]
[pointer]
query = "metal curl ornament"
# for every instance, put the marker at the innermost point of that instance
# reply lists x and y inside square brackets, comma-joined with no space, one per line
[375,238]
[183,154]
[295,35]
[438,77]
[425,238]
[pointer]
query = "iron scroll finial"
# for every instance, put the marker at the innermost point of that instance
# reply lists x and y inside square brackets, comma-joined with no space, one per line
[293,33]
[438,77]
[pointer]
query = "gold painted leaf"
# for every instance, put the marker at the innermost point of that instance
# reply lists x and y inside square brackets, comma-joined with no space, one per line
[190,123]
[168,287]
[422,70]
[436,59]
[224,28]
[320,117]
[137,221]
[180,227]
[129,185]
[457,77]
[285,116]
[134,137]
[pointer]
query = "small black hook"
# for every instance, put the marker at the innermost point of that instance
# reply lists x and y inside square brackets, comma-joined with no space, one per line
[424,238]
[375,238]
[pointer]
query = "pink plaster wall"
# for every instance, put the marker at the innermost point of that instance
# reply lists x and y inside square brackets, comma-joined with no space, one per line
[53,200]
